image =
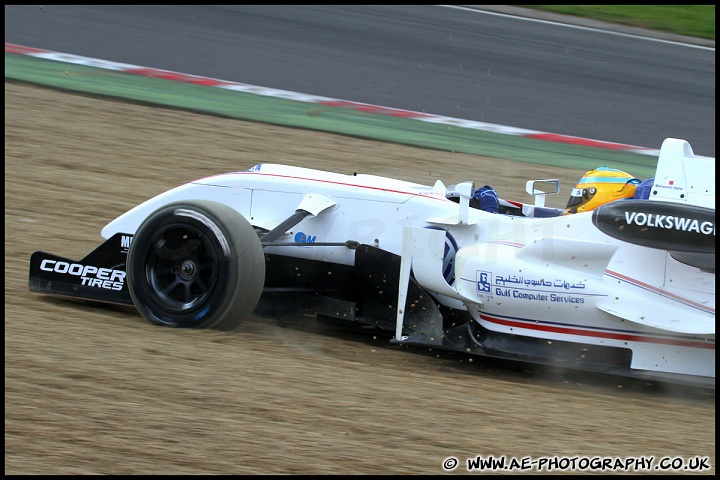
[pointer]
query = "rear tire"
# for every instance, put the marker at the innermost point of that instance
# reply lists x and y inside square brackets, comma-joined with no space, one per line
[196,264]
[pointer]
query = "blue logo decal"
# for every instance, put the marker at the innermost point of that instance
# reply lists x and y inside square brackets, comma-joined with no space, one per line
[300,237]
[483,281]
[451,248]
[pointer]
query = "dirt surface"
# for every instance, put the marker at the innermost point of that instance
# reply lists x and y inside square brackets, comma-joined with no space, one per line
[97,390]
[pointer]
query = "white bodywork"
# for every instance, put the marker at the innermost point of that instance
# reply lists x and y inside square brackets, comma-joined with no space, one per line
[556,278]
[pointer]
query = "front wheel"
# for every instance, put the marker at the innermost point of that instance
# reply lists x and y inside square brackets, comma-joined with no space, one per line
[196,264]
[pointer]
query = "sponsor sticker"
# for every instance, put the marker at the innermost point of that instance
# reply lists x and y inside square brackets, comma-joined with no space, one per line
[90,276]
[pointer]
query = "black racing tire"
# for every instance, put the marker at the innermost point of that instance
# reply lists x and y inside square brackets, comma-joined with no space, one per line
[196,264]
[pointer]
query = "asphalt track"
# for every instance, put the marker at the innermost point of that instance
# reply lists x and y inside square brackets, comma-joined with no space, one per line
[501,69]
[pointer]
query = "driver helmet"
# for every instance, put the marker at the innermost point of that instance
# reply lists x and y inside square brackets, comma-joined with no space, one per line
[598,187]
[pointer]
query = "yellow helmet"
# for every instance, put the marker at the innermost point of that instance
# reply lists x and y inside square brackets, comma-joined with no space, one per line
[598,187]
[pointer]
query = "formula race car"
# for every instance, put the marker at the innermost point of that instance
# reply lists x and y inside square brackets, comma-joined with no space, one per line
[627,288]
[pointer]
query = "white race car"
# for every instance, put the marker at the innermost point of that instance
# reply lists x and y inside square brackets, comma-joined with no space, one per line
[627,289]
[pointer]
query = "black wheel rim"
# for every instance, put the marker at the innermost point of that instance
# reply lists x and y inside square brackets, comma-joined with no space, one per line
[182,269]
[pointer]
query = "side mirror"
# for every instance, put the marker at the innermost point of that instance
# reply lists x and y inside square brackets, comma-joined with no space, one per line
[465,189]
[540,188]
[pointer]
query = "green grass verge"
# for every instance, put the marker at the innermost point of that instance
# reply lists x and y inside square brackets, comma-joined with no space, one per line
[691,20]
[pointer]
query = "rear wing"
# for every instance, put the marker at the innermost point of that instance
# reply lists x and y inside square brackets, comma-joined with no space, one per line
[680,216]
[681,177]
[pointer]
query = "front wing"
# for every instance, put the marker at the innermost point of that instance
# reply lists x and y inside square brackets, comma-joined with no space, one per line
[99,276]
